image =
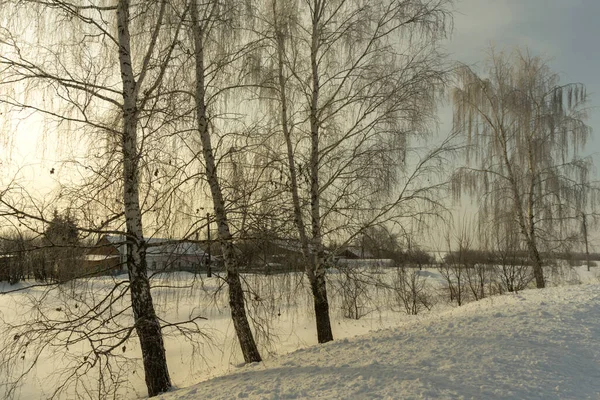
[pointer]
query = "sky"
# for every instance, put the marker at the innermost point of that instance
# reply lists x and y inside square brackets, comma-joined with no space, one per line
[566,32]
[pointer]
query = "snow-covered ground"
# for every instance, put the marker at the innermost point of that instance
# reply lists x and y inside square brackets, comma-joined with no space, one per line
[538,344]
[535,344]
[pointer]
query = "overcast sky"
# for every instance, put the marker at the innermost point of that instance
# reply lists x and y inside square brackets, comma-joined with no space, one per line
[567,32]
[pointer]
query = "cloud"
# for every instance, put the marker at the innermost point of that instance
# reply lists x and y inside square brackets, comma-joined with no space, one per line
[545,26]
[564,31]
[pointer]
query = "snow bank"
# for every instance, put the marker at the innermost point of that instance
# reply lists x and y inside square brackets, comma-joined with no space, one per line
[538,344]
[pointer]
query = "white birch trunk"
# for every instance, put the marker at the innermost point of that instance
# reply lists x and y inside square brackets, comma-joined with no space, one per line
[316,273]
[146,323]
[528,230]
[236,294]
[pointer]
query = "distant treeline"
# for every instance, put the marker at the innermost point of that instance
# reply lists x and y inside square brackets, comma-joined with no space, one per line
[520,256]
[23,259]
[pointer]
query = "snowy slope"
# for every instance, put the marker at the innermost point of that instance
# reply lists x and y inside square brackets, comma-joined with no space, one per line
[538,344]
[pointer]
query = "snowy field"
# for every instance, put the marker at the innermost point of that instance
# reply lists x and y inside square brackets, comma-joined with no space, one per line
[534,344]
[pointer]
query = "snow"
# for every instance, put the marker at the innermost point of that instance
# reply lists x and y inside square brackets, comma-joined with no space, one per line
[538,344]
[535,344]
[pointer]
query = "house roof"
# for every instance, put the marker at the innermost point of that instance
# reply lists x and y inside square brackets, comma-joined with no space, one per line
[356,252]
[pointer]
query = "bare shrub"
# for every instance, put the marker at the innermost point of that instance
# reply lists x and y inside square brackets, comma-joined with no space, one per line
[354,291]
[411,291]
[453,274]
[478,276]
[514,277]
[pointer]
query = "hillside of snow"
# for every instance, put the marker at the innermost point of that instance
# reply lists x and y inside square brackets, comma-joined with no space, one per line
[538,344]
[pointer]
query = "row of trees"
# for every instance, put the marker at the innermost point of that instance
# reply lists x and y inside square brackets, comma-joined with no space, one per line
[301,118]
[247,107]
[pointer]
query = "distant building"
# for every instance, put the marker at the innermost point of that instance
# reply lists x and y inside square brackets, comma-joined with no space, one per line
[354,253]
[271,256]
[163,255]
[109,256]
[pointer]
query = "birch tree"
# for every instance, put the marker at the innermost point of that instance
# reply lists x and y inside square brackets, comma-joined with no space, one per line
[525,131]
[351,83]
[147,325]
[101,72]
[205,31]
